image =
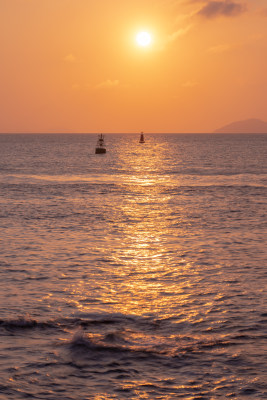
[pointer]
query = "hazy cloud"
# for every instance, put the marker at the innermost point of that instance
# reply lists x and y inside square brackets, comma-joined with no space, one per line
[70,58]
[180,32]
[107,84]
[221,48]
[226,8]
[172,37]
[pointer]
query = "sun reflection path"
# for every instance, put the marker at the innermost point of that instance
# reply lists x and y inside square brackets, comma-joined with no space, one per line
[149,266]
[140,266]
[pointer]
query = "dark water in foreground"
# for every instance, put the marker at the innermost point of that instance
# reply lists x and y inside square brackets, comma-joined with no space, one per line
[140,273]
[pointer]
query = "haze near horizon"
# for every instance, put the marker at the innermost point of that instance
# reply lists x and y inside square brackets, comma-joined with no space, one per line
[71,66]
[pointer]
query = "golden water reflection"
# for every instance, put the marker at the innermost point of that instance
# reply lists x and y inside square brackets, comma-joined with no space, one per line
[146,256]
[145,270]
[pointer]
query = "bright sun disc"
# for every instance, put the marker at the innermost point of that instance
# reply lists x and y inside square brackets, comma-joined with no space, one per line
[143,38]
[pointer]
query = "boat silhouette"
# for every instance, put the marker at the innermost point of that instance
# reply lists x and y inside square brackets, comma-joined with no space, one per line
[100,146]
[142,139]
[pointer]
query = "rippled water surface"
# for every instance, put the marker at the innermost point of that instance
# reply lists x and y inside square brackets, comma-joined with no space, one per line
[140,273]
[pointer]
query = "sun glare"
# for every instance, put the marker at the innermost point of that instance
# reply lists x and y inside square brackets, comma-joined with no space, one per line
[143,39]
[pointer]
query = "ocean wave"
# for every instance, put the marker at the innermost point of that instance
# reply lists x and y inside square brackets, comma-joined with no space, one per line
[25,322]
[120,333]
[84,344]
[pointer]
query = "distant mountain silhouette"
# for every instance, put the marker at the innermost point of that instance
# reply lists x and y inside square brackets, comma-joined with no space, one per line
[252,125]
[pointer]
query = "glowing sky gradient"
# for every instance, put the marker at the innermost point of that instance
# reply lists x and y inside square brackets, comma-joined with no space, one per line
[75,66]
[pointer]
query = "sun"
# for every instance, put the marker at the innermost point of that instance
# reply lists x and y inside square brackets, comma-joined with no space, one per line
[143,39]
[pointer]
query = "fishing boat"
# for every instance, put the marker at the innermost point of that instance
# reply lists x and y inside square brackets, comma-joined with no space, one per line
[142,139]
[100,146]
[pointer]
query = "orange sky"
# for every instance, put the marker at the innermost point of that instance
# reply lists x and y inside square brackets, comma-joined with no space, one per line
[74,65]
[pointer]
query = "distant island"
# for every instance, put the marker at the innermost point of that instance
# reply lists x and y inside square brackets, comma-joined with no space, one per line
[252,125]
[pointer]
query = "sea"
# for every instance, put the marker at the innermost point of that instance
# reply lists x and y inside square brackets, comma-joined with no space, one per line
[136,274]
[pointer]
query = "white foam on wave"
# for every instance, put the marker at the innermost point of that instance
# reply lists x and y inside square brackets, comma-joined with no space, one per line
[80,338]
